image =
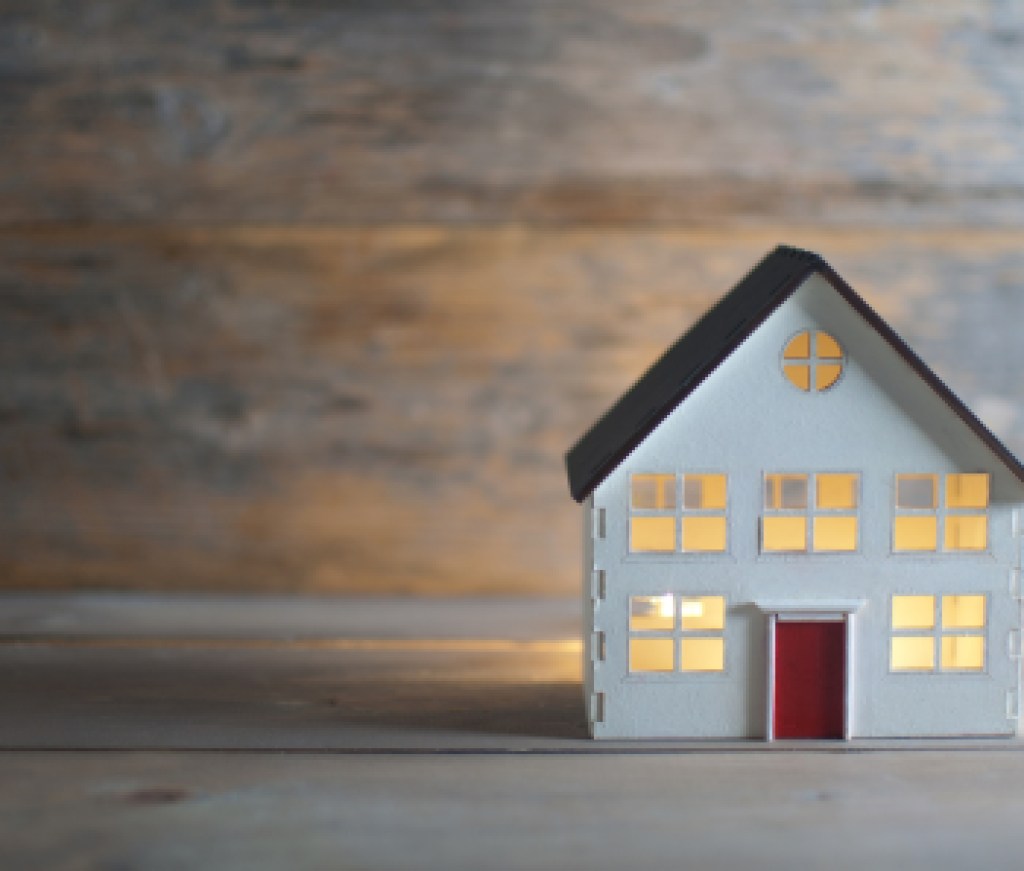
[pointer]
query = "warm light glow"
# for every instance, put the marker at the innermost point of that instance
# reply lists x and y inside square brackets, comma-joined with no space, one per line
[967,491]
[656,534]
[911,533]
[785,492]
[966,532]
[825,361]
[835,534]
[651,613]
[827,347]
[651,654]
[963,652]
[963,612]
[784,533]
[703,613]
[836,491]
[704,492]
[704,534]
[912,653]
[799,375]
[702,654]
[826,374]
[691,608]
[799,347]
[653,492]
[913,612]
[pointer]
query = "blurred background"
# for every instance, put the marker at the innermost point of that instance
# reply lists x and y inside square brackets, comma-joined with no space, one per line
[313,296]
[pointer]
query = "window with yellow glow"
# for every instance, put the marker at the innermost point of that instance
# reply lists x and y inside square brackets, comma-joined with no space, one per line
[651,612]
[912,653]
[810,512]
[662,523]
[812,361]
[913,612]
[704,528]
[670,633]
[653,492]
[651,654]
[941,514]
[953,626]
[652,521]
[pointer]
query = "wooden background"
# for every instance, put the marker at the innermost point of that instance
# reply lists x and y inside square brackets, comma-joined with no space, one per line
[314,295]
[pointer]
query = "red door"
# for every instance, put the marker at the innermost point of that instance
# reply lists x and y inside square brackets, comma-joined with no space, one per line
[810,665]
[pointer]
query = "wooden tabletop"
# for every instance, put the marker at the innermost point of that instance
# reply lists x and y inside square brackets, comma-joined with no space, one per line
[169,731]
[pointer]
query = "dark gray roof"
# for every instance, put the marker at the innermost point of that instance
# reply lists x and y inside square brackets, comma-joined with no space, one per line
[716,335]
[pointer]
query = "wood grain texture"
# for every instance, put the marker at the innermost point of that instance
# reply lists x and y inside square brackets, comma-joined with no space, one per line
[935,811]
[310,295]
[384,410]
[594,111]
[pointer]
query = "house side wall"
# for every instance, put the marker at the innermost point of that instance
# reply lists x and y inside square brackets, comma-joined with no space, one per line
[747,420]
[588,606]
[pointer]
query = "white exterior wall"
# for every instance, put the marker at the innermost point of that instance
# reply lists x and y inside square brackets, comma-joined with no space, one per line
[746,420]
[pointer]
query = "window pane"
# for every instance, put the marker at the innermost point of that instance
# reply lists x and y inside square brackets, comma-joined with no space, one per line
[785,492]
[704,534]
[912,653]
[963,652]
[827,346]
[963,612]
[799,375]
[916,492]
[915,533]
[704,492]
[784,533]
[835,533]
[703,612]
[967,491]
[966,533]
[654,492]
[826,374]
[702,654]
[651,612]
[799,347]
[913,612]
[651,654]
[652,534]
[837,491]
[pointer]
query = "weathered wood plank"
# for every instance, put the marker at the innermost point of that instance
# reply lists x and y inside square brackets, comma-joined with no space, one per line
[596,111]
[243,812]
[384,411]
[149,617]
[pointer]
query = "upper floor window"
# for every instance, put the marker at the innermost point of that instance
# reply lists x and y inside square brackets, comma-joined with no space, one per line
[934,512]
[812,361]
[652,522]
[690,520]
[810,512]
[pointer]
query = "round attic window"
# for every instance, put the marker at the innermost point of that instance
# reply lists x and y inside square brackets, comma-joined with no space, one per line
[812,361]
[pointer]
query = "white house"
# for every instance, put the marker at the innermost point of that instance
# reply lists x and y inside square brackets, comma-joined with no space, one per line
[792,528]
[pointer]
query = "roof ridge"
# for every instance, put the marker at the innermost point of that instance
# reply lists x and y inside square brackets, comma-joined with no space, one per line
[709,341]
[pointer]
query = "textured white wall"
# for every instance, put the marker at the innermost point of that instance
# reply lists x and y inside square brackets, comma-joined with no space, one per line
[746,419]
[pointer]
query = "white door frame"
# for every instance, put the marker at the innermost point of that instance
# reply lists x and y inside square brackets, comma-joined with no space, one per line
[798,610]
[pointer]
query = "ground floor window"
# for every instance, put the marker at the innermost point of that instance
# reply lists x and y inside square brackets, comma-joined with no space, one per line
[670,633]
[938,633]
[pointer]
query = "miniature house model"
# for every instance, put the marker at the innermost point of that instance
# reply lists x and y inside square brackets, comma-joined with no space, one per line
[793,529]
